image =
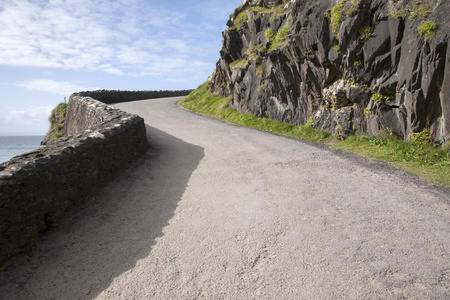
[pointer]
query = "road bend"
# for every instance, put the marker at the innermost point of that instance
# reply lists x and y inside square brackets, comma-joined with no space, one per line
[218,211]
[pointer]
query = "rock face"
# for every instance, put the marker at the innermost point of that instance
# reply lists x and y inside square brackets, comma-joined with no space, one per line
[346,66]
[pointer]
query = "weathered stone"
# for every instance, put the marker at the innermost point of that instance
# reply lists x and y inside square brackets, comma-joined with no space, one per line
[337,94]
[38,188]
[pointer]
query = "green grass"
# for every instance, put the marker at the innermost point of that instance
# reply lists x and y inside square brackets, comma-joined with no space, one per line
[240,20]
[59,111]
[240,63]
[351,12]
[278,40]
[365,33]
[335,17]
[427,29]
[418,11]
[419,157]
[203,102]
[242,17]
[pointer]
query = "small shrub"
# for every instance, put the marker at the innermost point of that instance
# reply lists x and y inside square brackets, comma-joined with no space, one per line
[270,34]
[401,14]
[377,97]
[259,69]
[351,12]
[420,11]
[240,20]
[427,29]
[240,63]
[278,37]
[357,64]
[335,17]
[417,12]
[335,48]
[422,138]
[365,33]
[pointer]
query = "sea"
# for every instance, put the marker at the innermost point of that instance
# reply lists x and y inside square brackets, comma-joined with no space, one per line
[11,146]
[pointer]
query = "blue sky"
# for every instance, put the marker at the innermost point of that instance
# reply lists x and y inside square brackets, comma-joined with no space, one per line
[52,48]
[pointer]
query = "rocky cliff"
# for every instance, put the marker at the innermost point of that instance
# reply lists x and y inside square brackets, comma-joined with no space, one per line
[345,66]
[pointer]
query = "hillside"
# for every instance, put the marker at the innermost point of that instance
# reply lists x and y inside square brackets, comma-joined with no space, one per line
[347,67]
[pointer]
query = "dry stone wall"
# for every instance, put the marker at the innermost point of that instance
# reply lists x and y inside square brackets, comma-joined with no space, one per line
[39,188]
[115,96]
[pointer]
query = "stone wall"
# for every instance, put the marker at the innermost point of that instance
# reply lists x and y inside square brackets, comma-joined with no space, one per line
[39,188]
[116,96]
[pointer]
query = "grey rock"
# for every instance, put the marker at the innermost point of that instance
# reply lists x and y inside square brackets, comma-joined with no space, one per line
[395,61]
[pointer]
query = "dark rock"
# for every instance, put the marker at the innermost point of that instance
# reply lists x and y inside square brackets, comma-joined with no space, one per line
[410,73]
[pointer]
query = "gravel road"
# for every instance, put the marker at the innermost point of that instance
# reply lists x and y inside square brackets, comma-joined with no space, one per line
[217,211]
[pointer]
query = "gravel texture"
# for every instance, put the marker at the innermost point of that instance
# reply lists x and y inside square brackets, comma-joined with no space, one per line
[218,211]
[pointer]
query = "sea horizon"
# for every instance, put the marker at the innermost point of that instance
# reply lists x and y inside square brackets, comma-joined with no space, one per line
[13,145]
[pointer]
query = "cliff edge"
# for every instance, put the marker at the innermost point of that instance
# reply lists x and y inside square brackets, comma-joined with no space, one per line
[355,66]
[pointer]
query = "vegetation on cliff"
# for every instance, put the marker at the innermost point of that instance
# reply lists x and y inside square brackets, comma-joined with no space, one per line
[354,66]
[56,119]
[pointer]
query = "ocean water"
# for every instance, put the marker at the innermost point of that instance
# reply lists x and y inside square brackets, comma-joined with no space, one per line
[11,146]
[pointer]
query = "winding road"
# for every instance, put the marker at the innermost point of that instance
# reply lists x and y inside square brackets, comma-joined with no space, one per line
[218,211]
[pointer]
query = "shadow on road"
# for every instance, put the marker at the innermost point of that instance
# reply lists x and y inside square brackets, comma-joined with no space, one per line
[108,237]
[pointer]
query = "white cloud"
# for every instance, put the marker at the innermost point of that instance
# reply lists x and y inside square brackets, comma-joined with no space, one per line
[114,36]
[26,120]
[53,87]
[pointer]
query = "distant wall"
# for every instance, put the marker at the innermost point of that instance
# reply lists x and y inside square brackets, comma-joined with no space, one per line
[39,188]
[113,96]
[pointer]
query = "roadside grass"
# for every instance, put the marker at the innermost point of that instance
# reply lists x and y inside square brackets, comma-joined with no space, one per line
[419,157]
[203,102]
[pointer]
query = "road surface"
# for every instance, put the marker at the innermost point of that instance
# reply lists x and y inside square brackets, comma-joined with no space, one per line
[218,211]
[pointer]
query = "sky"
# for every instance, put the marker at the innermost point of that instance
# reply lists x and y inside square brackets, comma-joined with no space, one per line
[50,49]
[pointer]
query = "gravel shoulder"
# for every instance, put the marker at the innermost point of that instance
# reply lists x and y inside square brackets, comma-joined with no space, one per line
[218,211]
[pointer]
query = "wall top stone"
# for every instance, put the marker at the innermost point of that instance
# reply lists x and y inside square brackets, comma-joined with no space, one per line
[100,122]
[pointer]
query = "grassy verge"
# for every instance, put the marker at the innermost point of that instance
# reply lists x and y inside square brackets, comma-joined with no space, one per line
[418,157]
[203,102]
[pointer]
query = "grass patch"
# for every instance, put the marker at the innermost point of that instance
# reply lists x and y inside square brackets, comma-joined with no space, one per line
[203,102]
[335,17]
[351,12]
[278,40]
[418,11]
[365,33]
[419,156]
[242,17]
[377,97]
[240,20]
[427,29]
[240,63]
